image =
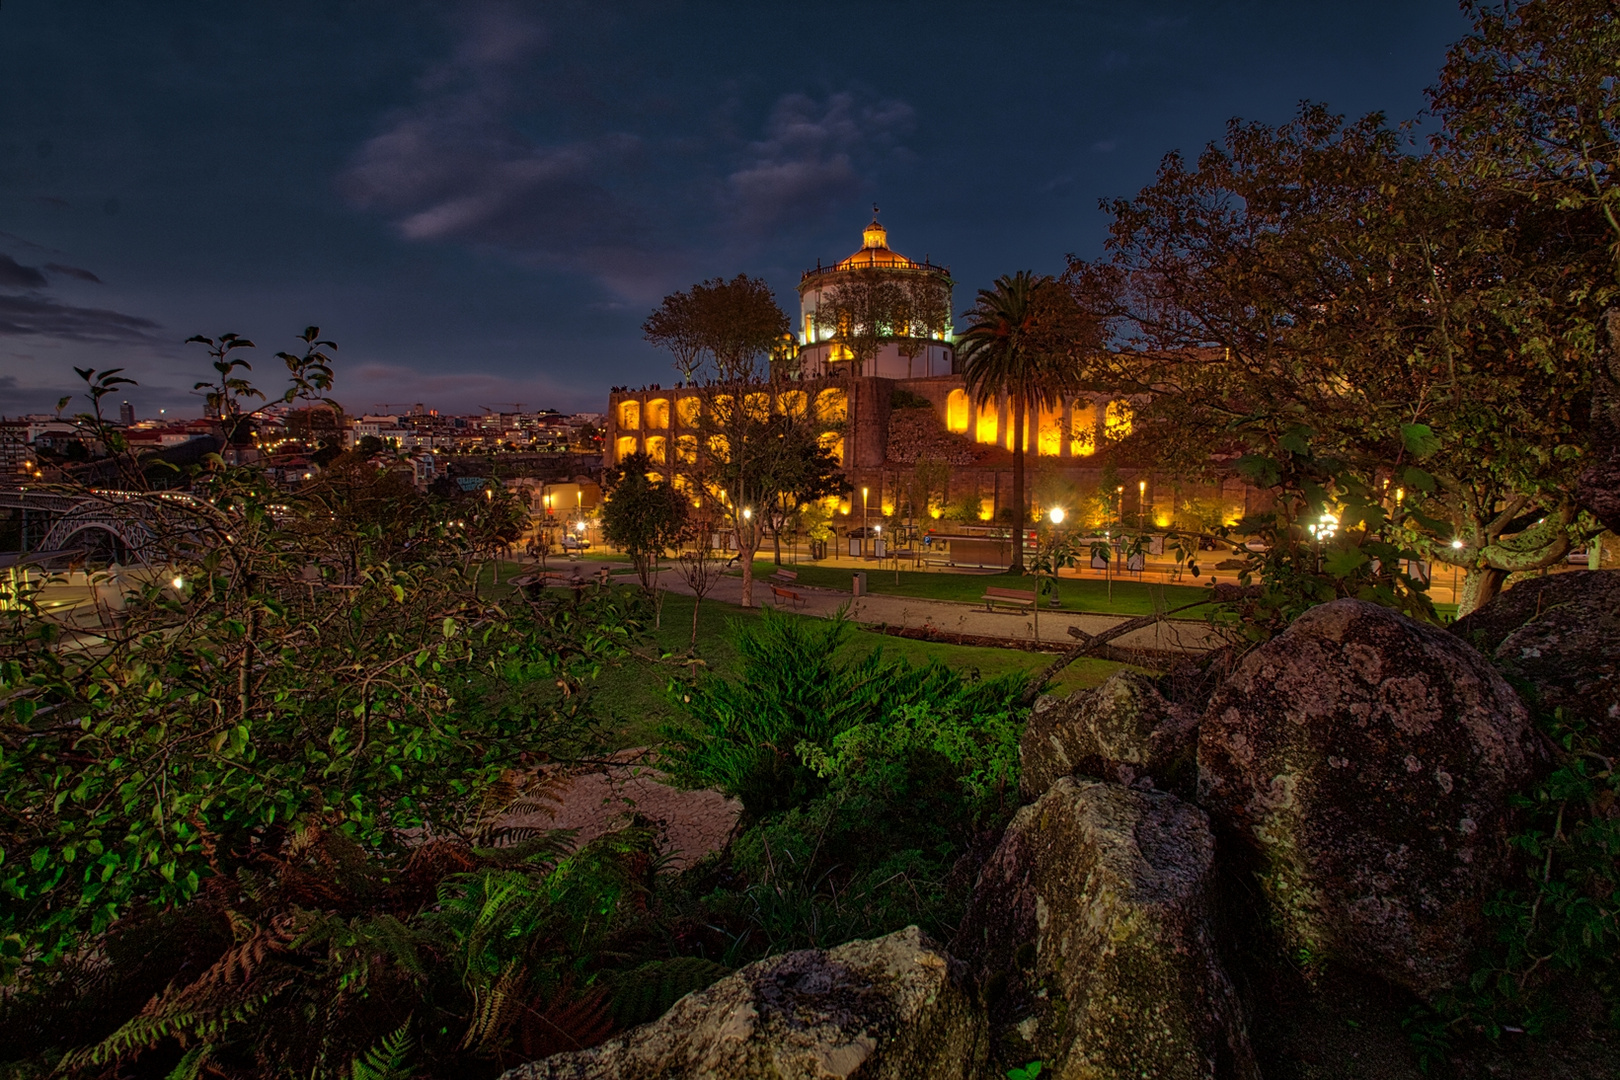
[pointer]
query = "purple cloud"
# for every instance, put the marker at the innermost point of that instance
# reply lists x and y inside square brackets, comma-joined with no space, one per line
[31,316]
[808,157]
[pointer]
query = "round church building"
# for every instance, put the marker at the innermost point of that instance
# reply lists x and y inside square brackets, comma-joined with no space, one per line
[876,313]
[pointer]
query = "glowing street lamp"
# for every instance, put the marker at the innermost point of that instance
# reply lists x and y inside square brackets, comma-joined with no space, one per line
[1056,515]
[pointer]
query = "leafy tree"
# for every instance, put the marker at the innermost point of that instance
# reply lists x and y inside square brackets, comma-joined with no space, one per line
[230,393]
[796,469]
[870,308]
[1531,107]
[1009,350]
[1352,316]
[643,514]
[734,325]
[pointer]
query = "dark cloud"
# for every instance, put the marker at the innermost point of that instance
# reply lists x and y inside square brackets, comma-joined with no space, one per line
[453,167]
[29,316]
[74,272]
[811,156]
[13,275]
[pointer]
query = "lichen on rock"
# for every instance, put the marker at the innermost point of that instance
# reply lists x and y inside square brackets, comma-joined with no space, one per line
[1123,730]
[890,1008]
[1090,932]
[1367,762]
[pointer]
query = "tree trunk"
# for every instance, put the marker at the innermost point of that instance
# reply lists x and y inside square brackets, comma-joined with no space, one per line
[776,542]
[1480,586]
[747,545]
[1017,566]
[697,601]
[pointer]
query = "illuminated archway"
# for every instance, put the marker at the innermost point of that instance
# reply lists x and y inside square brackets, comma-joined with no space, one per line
[1117,419]
[1083,429]
[687,410]
[630,414]
[657,448]
[658,413]
[832,406]
[958,411]
[988,422]
[625,446]
[792,403]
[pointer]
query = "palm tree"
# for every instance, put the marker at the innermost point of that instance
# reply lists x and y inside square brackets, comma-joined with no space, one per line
[1002,353]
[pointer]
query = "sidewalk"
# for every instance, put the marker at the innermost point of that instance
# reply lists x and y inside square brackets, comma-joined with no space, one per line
[1176,635]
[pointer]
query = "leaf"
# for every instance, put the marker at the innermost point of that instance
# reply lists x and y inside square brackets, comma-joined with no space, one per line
[1345,561]
[1297,440]
[1418,480]
[1259,470]
[1419,440]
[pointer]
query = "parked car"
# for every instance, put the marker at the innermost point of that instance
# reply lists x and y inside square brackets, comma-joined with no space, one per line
[575,543]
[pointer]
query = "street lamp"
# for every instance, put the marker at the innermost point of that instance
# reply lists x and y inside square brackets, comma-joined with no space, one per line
[1141,498]
[1056,515]
[1120,491]
[863,523]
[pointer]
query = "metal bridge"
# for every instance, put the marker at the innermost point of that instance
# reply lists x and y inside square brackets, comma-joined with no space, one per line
[117,526]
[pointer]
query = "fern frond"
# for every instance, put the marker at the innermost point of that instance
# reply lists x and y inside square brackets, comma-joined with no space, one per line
[647,992]
[388,1060]
[494,1008]
[191,1063]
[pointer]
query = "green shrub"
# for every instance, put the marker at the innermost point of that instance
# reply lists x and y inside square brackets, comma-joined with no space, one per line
[1562,921]
[795,689]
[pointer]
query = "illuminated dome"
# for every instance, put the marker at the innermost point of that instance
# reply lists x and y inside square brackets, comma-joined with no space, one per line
[875,251]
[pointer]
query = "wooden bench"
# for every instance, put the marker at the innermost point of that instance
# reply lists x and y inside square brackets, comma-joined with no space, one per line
[793,596]
[785,577]
[1023,599]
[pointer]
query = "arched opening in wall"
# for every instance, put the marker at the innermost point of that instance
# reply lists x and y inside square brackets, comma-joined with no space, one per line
[792,403]
[1117,419]
[758,406]
[658,413]
[988,421]
[833,443]
[832,406]
[624,447]
[1012,429]
[687,410]
[630,414]
[987,508]
[1049,442]
[719,447]
[1083,429]
[958,411]
[657,449]
[101,546]
[686,449]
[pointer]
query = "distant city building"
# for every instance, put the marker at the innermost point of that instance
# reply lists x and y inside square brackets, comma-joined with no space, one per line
[126,414]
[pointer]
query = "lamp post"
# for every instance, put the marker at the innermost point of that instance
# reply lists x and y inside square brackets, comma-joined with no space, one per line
[863,523]
[1456,545]
[1141,499]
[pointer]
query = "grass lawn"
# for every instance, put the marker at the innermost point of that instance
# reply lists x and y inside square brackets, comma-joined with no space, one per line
[1076,594]
[631,696]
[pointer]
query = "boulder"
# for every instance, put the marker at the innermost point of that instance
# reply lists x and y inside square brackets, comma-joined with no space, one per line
[885,1009]
[1089,931]
[1559,638]
[1123,730]
[1367,762]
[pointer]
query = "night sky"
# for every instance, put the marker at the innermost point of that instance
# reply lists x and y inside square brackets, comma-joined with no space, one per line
[481,201]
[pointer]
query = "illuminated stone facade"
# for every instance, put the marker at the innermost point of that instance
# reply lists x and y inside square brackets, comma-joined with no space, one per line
[943,422]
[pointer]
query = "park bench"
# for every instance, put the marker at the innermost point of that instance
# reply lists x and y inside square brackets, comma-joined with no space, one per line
[1023,599]
[785,577]
[792,596]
